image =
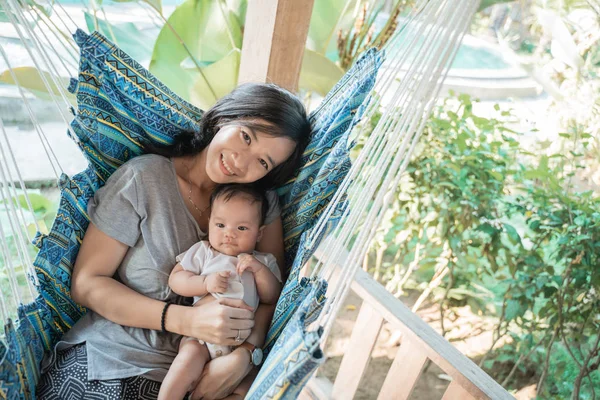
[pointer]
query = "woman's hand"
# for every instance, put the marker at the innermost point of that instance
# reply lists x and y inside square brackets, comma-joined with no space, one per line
[222,375]
[221,321]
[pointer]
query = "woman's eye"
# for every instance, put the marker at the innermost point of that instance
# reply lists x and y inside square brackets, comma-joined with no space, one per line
[264,163]
[246,137]
[220,226]
[242,228]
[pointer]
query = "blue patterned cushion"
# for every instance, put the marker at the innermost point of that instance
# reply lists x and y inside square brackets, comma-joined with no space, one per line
[121,107]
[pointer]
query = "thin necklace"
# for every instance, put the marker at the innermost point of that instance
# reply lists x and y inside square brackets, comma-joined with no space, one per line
[200,212]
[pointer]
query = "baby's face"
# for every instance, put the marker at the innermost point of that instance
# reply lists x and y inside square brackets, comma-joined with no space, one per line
[234,225]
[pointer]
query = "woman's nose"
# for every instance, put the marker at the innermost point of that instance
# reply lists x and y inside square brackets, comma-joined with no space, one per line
[239,161]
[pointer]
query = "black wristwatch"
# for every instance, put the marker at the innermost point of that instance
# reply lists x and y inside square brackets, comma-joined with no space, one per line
[256,354]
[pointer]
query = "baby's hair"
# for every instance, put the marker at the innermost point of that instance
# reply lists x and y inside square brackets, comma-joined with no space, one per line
[249,192]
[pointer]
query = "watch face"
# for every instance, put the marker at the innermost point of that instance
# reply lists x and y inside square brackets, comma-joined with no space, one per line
[257,356]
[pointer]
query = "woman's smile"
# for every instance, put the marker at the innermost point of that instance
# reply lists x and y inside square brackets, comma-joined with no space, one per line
[225,168]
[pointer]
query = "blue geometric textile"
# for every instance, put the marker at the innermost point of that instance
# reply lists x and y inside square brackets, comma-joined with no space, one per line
[296,353]
[121,109]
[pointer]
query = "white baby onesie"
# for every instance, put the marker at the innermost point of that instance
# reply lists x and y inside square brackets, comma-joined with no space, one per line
[202,259]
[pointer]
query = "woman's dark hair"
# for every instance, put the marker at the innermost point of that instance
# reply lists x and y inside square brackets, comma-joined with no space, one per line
[281,110]
[254,194]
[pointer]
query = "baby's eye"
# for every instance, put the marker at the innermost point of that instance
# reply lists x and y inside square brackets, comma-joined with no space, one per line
[242,228]
[246,137]
[264,163]
[219,225]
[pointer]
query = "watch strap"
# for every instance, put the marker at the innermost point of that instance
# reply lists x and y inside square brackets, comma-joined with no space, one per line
[250,347]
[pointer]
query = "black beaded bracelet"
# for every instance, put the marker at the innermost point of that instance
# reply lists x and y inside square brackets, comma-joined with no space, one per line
[162,317]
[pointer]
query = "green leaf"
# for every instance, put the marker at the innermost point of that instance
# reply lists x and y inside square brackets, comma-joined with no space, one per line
[239,8]
[38,202]
[580,220]
[512,234]
[209,30]
[29,78]
[535,224]
[156,4]
[222,76]
[514,309]
[487,228]
[327,17]
[125,35]
[318,73]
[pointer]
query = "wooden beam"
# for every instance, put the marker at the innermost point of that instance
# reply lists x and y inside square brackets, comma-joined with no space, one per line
[404,373]
[456,392]
[274,39]
[358,352]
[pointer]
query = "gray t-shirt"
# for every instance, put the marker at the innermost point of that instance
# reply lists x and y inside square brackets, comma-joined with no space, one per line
[140,206]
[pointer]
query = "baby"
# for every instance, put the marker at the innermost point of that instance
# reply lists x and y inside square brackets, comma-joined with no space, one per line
[224,266]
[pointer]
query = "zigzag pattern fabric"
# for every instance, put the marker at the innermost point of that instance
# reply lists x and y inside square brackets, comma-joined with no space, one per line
[121,108]
[297,352]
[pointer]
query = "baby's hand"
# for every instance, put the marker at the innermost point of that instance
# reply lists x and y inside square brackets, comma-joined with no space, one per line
[247,262]
[217,282]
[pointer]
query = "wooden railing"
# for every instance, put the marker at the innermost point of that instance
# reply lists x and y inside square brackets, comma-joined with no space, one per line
[420,343]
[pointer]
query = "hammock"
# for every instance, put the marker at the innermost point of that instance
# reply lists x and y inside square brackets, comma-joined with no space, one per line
[121,107]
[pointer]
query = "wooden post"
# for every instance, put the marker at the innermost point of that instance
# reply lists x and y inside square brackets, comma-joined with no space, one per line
[274,40]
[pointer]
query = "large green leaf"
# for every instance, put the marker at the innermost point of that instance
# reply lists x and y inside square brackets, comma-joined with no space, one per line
[126,35]
[563,46]
[239,8]
[318,73]
[30,79]
[209,30]
[327,17]
[222,76]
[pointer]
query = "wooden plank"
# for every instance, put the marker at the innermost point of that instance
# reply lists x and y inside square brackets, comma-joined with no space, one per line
[274,40]
[462,370]
[456,392]
[317,388]
[404,373]
[358,352]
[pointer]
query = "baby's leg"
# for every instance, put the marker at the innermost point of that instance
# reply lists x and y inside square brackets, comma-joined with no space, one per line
[185,370]
[240,392]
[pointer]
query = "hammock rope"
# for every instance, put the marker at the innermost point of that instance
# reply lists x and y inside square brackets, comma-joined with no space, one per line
[14,10]
[399,133]
[8,146]
[54,162]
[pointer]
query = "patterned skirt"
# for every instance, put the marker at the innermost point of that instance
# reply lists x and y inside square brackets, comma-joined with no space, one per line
[67,379]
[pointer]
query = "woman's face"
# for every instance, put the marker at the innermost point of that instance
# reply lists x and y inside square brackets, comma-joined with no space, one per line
[240,154]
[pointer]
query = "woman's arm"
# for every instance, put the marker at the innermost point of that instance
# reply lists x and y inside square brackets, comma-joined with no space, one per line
[93,286]
[272,242]
[267,286]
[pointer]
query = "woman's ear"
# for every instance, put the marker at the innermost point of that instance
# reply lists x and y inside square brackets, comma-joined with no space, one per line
[260,233]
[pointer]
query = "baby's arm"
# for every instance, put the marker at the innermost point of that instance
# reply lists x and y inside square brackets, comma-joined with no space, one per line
[188,284]
[267,284]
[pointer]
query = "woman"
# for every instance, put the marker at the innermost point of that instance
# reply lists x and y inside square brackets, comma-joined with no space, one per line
[151,209]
